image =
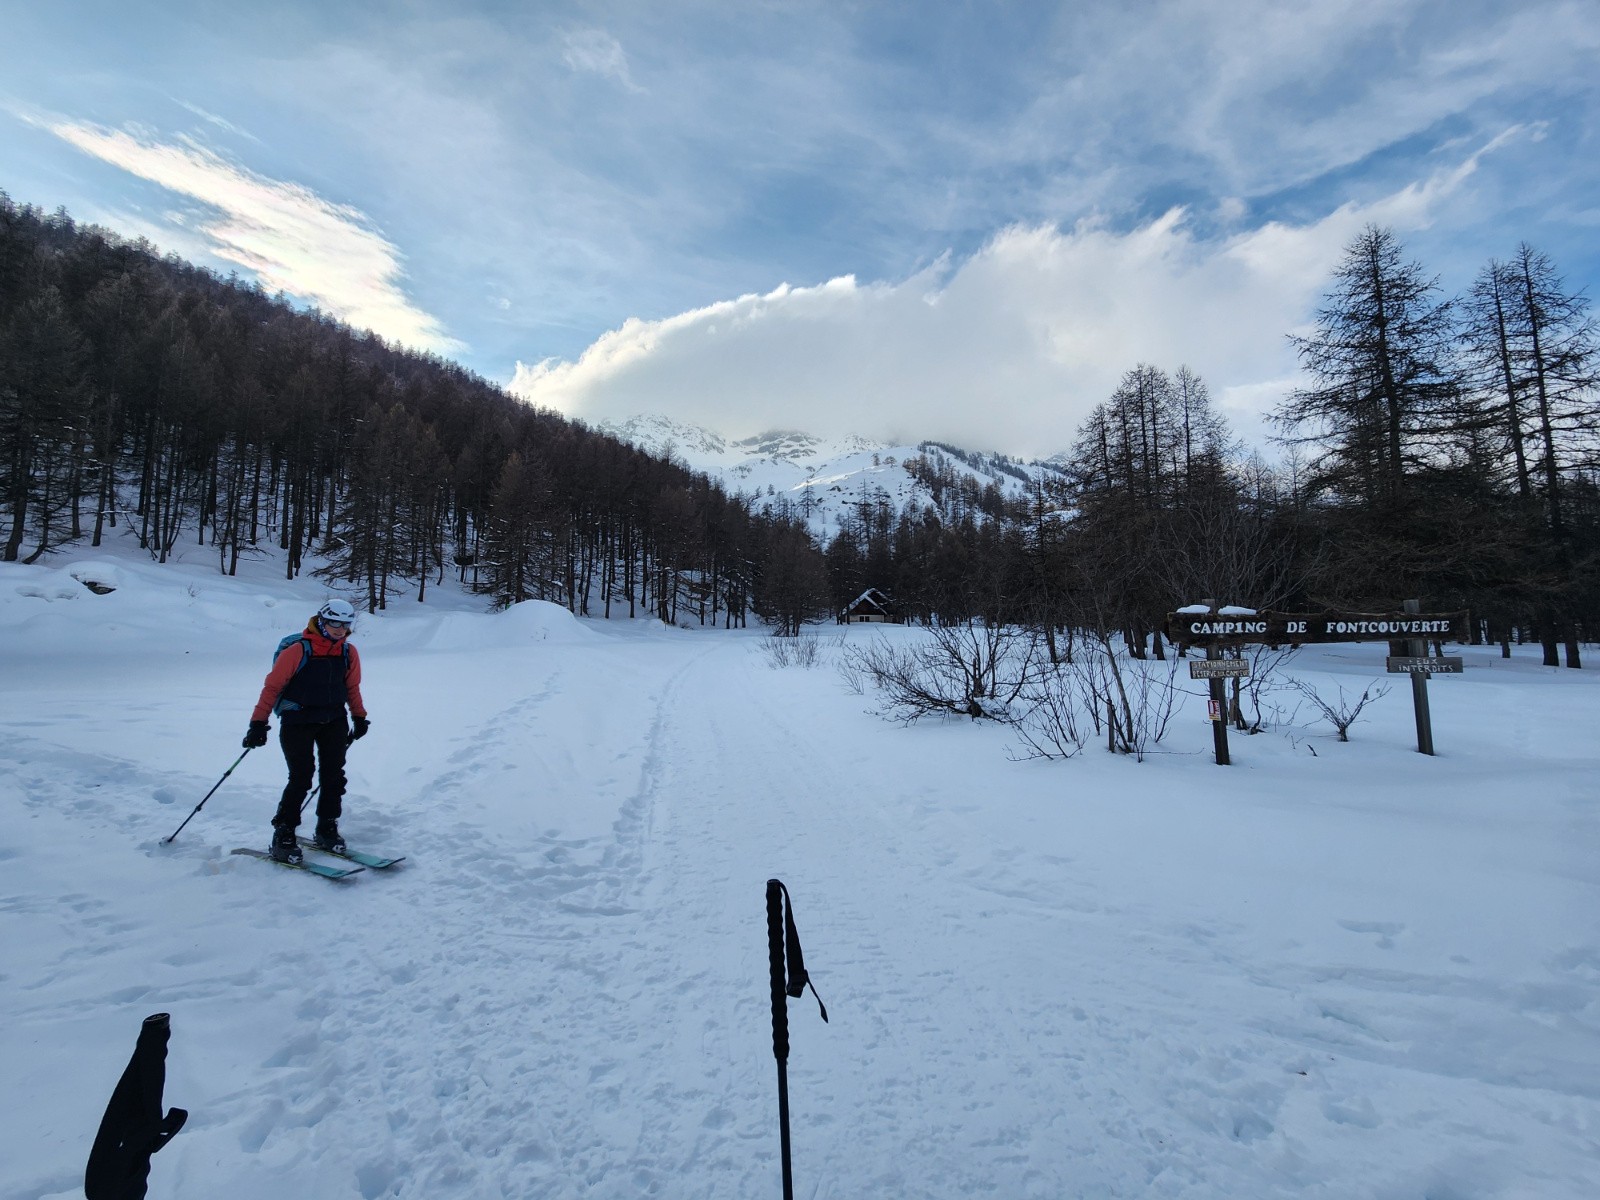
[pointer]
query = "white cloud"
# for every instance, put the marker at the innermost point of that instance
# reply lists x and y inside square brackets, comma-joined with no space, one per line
[1009,350]
[286,235]
[598,52]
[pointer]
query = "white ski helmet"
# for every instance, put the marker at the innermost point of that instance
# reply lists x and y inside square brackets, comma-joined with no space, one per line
[338,610]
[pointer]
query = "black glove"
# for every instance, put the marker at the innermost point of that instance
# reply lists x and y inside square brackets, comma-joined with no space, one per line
[256,736]
[360,729]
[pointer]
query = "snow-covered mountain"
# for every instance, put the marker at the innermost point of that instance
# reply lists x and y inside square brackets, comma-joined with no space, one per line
[824,480]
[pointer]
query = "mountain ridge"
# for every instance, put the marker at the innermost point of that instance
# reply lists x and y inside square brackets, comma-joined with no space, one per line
[822,480]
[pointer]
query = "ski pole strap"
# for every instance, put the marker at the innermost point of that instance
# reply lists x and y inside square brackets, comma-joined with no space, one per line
[798,979]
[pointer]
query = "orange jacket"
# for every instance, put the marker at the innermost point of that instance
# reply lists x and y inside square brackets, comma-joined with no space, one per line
[287,663]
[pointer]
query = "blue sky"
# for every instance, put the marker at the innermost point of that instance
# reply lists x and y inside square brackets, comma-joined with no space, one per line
[958,220]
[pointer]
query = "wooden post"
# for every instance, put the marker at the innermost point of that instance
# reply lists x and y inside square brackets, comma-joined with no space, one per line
[1419,687]
[1218,688]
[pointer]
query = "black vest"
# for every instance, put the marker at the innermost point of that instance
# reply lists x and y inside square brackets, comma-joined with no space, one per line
[317,693]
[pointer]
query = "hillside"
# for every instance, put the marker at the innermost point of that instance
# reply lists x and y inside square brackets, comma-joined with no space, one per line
[140,392]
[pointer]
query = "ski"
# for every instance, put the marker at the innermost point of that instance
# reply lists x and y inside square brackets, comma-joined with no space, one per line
[376,861]
[315,868]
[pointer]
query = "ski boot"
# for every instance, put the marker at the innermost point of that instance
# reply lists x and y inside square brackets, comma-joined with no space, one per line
[328,837]
[285,848]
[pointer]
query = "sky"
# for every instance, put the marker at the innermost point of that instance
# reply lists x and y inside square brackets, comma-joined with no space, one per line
[960,220]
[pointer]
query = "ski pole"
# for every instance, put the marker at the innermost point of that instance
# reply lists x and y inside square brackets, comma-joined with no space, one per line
[208,795]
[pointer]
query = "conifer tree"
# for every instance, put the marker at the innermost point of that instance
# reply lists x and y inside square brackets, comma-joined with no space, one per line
[516,544]
[43,387]
[1535,355]
[1383,380]
[792,588]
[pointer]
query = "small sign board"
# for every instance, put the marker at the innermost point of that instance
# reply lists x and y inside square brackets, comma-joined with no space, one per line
[1213,710]
[1404,665]
[1219,668]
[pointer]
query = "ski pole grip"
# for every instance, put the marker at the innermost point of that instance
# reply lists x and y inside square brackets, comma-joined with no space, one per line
[775,954]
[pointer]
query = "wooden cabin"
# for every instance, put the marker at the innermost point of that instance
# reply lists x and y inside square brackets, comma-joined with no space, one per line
[872,606]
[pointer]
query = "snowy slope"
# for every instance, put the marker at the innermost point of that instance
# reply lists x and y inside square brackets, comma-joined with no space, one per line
[1354,973]
[821,479]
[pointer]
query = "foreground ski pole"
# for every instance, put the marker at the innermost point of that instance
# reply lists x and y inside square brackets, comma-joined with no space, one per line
[208,795]
[789,978]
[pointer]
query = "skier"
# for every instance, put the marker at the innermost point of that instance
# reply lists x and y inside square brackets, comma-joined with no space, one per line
[315,676]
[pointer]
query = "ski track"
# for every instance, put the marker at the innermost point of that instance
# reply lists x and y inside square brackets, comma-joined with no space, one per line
[885,939]
[523,954]
[519,961]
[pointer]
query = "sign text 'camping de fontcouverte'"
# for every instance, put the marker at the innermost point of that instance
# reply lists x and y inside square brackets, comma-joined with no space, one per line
[1275,628]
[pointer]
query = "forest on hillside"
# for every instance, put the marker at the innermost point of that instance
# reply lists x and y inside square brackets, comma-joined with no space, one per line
[139,391]
[1445,449]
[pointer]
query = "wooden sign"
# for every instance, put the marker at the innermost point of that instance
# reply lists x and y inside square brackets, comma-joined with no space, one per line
[1282,629]
[1219,668]
[1408,665]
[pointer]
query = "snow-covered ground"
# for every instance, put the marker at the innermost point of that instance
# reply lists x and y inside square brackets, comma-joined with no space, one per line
[1358,972]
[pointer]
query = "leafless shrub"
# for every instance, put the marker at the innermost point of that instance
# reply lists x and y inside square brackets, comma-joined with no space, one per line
[1343,713]
[800,650]
[1002,672]
[855,675]
[1051,721]
[1131,702]
[1272,714]
[1261,682]
[971,670]
[1128,702]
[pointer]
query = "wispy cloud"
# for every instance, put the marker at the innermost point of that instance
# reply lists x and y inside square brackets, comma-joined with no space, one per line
[1007,350]
[290,238]
[211,118]
[596,51]
[1252,99]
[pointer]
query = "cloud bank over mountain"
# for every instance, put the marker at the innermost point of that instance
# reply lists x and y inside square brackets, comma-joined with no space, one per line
[1008,350]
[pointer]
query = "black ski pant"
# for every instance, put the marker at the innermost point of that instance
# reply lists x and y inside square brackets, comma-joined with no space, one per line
[328,740]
